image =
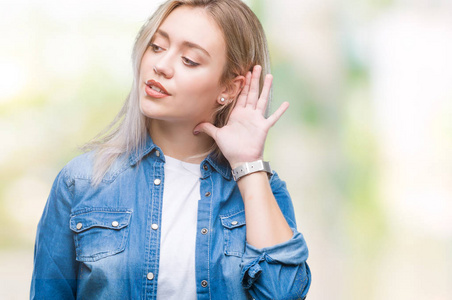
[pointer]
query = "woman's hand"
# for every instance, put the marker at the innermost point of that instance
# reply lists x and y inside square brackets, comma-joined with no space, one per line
[242,139]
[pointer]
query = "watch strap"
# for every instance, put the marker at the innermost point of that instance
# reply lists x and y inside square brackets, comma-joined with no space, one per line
[251,167]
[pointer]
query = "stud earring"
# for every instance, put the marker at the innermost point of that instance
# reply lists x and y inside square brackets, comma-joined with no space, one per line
[222,99]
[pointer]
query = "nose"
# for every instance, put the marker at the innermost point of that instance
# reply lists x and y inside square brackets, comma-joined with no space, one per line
[163,67]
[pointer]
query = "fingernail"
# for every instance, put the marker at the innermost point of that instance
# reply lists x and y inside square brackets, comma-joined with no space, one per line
[196,132]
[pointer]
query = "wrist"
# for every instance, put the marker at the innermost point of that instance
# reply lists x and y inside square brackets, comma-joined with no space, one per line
[247,168]
[236,164]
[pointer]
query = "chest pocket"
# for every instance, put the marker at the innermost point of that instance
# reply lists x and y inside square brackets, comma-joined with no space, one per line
[234,233]
[100,232]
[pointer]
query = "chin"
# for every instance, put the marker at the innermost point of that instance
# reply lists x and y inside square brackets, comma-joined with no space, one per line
[154,112]
[148,109]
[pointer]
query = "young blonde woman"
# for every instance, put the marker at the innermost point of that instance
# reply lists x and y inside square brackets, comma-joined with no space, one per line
[174,201]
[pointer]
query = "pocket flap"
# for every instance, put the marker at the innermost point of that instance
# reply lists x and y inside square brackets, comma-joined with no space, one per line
[234,220]
[112,219]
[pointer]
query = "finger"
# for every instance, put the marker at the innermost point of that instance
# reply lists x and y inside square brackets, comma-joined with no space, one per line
[207,128]
[241,101]
[263,100]
[278,113]
[254,87]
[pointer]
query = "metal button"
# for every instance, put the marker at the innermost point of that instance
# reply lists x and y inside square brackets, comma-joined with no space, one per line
[150,276]
[234,222]
[157,153]
[204,231]
[154,226]
[157,181]
[79,225]
[115,224]
[205,167]
[207,194]
[204,283]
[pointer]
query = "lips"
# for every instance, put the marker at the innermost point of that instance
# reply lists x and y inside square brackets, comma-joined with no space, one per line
[155,89]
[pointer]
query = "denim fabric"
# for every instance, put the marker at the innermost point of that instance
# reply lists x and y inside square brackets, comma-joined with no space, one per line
[103,243]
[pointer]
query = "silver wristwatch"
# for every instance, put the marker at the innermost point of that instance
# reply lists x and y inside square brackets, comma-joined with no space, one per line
[251,167]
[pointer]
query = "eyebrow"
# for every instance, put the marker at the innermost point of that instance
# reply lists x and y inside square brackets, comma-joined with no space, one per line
[185,43]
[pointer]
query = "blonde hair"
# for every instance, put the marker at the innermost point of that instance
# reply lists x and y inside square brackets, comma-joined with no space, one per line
[246,46]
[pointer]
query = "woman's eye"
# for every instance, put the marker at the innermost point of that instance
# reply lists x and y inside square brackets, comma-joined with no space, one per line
[189,62]
[155,48]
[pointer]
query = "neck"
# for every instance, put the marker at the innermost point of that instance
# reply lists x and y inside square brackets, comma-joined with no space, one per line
[178,141]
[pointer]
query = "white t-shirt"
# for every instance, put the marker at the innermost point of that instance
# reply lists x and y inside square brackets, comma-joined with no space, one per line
[181,194]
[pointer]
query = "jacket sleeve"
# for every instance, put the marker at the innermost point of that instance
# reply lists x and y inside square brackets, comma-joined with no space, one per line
[279,271]
[55,268]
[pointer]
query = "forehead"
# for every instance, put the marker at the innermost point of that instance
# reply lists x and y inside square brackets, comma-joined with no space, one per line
[194,25]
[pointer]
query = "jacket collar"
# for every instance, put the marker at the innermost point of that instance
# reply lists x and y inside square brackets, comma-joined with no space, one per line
[137,155]
[220,166]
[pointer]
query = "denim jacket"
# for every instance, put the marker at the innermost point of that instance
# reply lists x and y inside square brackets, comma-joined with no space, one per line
[103,243]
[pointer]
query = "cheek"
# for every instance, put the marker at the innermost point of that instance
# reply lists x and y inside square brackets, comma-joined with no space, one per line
[202,98]
[199,97]
[147,62]
[204,85]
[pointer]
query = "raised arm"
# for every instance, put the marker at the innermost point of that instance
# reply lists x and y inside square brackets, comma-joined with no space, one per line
[274,263]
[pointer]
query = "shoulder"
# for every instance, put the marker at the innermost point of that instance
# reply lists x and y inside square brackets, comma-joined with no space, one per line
[82,167]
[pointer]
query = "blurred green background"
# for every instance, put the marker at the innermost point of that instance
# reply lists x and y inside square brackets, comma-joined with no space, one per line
[365,148]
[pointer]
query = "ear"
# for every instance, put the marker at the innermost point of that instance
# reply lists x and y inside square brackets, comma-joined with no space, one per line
[232,90]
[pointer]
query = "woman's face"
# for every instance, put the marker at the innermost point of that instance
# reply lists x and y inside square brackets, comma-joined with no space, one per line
[181,69]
